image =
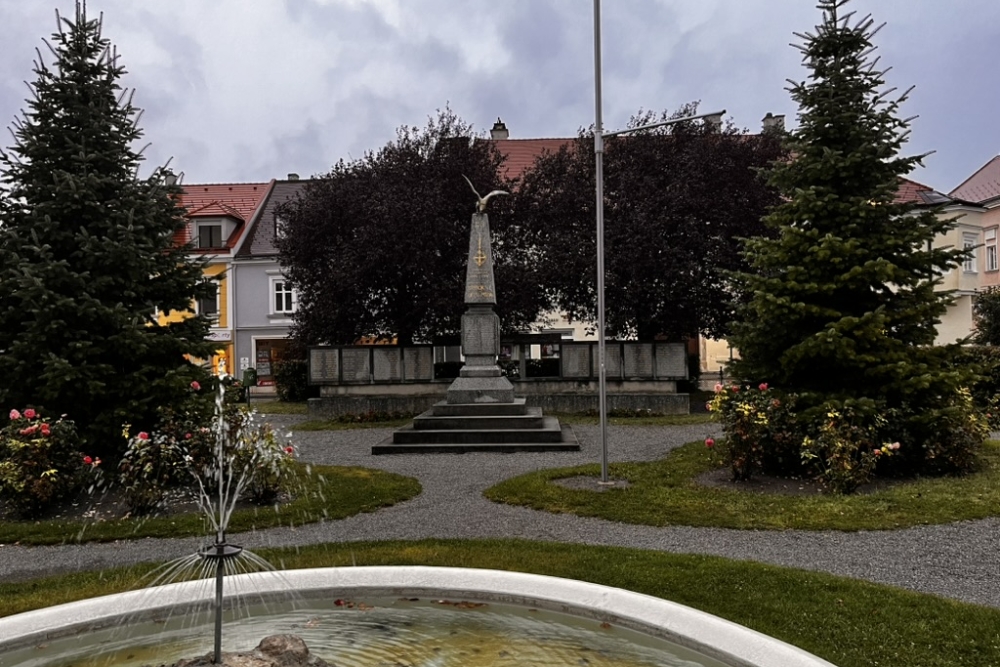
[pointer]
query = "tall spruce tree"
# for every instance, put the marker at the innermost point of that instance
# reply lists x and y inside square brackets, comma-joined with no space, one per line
[87,253]
[846,295]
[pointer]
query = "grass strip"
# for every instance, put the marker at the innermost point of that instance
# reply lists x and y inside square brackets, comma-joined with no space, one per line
[665,492]
[322,493]
[270,407]
[850,623]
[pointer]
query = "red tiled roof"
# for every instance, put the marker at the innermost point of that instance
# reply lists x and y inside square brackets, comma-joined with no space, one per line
[236,200]
[520,154]
[244,197]
[215,209]
[909,192]
[982,185]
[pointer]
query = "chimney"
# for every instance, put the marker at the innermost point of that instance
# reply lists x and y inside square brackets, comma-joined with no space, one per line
[293,177]
[499,130]
[772,122]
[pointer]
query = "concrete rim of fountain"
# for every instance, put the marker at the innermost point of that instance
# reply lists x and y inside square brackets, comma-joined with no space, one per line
[710,635]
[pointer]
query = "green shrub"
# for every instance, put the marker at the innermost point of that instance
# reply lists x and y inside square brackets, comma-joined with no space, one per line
[40,461]
[843,444]
[947,436]
[447,370]
[846,446]
[541,368]
[984,360]
[291,378]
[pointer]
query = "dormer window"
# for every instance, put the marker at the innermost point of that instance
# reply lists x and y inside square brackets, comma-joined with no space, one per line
[210,235]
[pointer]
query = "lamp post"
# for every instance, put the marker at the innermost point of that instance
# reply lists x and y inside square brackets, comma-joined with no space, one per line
[599,135]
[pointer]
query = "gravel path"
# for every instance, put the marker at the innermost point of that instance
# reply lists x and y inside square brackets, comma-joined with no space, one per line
[958,560]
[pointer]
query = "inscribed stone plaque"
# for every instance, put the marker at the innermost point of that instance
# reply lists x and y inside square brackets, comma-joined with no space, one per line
[576,361]
[671,361]
[638,360]
[418,363]
[387,366]
[323,366]
[479,285]
[356,364]
[480,333]
[612,361]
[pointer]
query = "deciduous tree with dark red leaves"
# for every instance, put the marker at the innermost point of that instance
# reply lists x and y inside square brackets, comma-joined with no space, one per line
[678,202]
[378,246]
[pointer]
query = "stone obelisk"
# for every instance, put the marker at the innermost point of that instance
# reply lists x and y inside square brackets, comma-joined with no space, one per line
[480,413]
[480,380]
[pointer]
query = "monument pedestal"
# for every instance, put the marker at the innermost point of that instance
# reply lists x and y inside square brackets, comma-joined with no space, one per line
[480,413]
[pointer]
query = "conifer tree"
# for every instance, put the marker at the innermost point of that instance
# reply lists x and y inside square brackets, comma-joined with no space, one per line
[846,294]
[87,253]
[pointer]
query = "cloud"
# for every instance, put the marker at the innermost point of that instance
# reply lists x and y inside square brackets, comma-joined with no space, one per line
[239,89]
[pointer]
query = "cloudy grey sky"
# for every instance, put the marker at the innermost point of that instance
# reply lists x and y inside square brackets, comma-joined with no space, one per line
[248,90]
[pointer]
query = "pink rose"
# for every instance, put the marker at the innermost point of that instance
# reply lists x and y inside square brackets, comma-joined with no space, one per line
[894,446]
[195,386]
[877,452]
[14,414]
[187,436]
[45,429]
[29,413]
[718,388]
[709,442]
[763,386]
[143,435]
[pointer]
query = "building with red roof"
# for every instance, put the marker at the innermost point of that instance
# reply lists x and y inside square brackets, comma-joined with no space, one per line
[219,215]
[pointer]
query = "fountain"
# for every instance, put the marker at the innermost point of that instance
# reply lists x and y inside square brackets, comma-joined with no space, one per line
[642,630]
[689,637]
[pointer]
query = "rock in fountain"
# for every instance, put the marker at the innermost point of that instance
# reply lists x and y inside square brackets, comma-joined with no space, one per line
[480,412]
[273,651]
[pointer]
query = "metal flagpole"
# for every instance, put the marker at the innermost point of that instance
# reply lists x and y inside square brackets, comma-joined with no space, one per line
[599,177]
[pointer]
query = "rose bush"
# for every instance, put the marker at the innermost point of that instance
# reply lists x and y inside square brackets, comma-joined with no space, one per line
[39,461]
[759,425]
[181,454]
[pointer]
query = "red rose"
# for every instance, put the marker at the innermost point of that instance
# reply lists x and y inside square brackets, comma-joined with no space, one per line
[709,442]
[29,413]
[143,435]
[87,460]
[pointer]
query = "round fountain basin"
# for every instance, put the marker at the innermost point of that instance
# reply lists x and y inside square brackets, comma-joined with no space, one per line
[660,632]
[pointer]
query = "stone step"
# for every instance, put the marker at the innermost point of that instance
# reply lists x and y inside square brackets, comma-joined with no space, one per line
[549,432]
[446,409]
[532,419]
[566,443]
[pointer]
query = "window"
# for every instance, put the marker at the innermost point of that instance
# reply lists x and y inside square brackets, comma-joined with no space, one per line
[284,300]
[209,236]
[209,305]
[991,250]
[969,245]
